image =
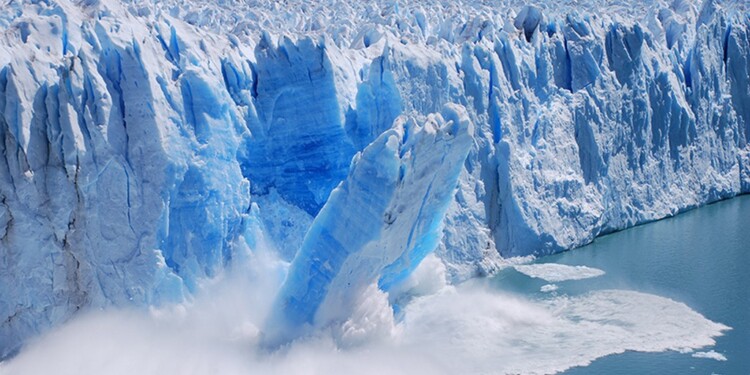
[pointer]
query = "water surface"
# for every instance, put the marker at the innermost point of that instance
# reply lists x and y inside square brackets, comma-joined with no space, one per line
[700,258]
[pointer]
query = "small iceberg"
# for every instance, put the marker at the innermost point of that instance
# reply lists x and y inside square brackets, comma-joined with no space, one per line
[553,272]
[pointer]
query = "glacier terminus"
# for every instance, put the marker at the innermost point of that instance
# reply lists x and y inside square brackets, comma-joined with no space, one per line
[146,147]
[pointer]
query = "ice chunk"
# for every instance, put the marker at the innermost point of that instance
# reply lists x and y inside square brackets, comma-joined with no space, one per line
[547,288]
[378,225]
[710,355]
[554,273]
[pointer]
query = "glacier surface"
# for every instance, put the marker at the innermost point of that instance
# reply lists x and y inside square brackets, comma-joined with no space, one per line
[147,146]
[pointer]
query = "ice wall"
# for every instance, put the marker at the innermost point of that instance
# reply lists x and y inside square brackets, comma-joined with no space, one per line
[136,137]
[119,178]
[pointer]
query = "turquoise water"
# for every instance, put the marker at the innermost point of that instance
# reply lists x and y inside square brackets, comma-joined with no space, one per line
[700,258]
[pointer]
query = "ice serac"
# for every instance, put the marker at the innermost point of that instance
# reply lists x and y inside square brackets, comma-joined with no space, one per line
[378,224]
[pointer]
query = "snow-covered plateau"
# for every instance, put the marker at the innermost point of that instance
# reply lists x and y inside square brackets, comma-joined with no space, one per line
[148,146]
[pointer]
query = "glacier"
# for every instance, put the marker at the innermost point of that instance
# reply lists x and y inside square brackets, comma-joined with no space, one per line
[146,146]
[377,225]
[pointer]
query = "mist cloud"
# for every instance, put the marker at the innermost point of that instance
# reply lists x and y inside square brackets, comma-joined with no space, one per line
[444,329]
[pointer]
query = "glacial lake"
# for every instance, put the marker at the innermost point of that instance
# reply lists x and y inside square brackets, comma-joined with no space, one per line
[700,258]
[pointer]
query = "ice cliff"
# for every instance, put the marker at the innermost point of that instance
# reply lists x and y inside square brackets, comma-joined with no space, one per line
[147,145]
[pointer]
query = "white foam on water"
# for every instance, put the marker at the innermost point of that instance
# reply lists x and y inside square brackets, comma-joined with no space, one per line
[553,272]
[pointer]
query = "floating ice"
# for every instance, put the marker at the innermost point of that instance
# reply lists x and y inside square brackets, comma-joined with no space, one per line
[548,288]
[483,332]
[553,272]
[710,355]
